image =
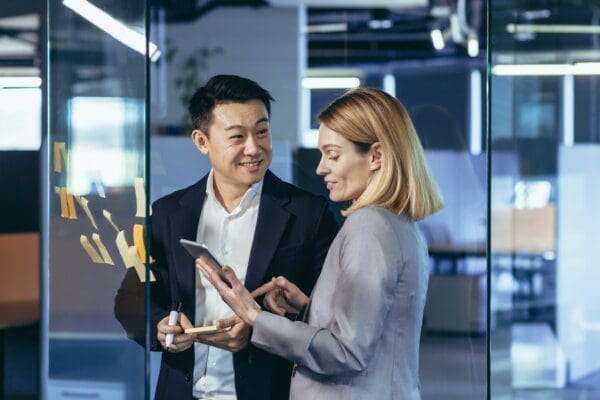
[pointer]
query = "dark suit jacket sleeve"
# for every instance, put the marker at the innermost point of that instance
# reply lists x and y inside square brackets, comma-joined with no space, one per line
[161,296]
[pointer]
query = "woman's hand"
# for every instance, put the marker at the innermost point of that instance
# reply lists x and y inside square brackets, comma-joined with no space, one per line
[231,291]
[286,297]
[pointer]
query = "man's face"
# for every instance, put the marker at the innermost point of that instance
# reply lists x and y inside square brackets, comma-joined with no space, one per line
[238,143]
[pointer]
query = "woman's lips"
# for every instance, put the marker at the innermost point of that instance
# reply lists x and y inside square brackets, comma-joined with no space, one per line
[330,185]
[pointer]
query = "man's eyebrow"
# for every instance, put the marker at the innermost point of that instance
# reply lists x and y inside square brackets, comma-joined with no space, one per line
[231,127]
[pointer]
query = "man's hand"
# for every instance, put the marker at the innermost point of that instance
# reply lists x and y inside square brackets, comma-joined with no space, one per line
[181,341]
[286,297]
[234,338]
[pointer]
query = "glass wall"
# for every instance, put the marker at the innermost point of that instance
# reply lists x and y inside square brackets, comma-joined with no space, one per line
[545,155]
[95,221]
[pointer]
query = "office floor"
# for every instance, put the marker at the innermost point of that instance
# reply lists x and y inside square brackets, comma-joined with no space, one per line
[453,367]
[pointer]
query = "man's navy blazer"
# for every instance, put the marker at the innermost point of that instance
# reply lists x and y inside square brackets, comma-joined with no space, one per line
[293,232]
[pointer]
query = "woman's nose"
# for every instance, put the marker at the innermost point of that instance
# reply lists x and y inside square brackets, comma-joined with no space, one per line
[321,169]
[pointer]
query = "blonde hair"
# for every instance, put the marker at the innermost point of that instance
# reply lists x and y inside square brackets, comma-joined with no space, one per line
[403,184]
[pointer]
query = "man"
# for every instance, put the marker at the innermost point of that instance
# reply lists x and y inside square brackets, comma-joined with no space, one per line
[253,222]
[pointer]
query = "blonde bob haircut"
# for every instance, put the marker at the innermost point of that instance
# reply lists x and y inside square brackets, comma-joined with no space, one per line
[403,184]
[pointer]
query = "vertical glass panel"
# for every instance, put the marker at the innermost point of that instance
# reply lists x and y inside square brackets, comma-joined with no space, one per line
[545,160]
[97,202]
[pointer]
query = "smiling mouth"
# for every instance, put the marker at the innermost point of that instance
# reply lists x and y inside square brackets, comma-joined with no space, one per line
[251,164]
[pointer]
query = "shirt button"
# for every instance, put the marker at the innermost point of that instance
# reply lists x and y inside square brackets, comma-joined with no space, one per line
[188,377]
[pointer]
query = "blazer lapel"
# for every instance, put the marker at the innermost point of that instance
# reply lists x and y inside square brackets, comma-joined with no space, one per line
[270,225]
[184,225]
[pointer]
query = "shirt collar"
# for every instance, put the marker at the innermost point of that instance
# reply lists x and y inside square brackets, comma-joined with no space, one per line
[247,199]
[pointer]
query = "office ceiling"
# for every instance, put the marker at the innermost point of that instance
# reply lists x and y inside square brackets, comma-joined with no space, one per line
[371,34]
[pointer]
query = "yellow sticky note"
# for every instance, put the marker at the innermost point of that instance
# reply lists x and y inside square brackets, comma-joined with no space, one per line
[123,248]
[138,241]
[139,266]
[108,217]
[59,153]
[71,206]
[84,203]
[140,198]
[64,208]
[90,250]
[103,252]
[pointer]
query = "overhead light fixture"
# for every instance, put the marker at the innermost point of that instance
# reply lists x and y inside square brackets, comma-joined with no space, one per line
[552,28]
[437,38]
[380,24]
[124,34]
[20,82]
[473,45]
[326,28]
[546,69]
[330,82]
[536,14]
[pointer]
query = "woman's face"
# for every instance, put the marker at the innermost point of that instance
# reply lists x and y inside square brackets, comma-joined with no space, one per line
[345,170]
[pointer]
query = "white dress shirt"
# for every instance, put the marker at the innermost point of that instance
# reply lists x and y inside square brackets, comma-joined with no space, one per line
[229,237]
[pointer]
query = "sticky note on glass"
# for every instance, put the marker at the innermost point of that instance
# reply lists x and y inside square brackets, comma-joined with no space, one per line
[140,198]
[60,156]
[140,268]
[71,206]
[84,203]
[87,246]
[138,241]
[123,248]
[108,217]
[62,196]
[103,252]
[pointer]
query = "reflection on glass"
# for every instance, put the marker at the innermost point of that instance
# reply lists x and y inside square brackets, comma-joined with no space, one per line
[97,148]
[545,160]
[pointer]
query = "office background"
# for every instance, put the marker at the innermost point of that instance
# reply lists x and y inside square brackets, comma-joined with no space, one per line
[504,96]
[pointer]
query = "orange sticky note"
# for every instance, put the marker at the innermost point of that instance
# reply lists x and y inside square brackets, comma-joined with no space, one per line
[64,208]
[138,241]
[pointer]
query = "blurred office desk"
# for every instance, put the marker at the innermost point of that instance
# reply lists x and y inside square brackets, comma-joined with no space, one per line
[456,296]
[454,254]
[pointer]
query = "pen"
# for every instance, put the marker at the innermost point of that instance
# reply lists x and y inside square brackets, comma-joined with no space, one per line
[172,321]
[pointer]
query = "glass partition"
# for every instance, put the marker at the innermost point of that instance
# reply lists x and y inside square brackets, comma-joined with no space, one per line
[95,227]
[545,159]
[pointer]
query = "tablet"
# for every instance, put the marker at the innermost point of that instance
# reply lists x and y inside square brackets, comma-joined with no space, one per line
[199,250]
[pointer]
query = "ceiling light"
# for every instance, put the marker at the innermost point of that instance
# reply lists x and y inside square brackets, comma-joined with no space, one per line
[20,82]
[437,38]
[380,24]
[326,28]
[330,82]
[552,28]
[546,69]
[473,46]
[115,28]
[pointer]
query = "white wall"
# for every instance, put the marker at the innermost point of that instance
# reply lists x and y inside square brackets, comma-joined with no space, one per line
[260,44]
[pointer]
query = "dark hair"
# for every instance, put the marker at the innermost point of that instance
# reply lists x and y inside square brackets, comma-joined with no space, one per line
[222,89]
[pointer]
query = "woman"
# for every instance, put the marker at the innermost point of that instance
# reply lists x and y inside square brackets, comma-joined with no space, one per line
[361,340]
